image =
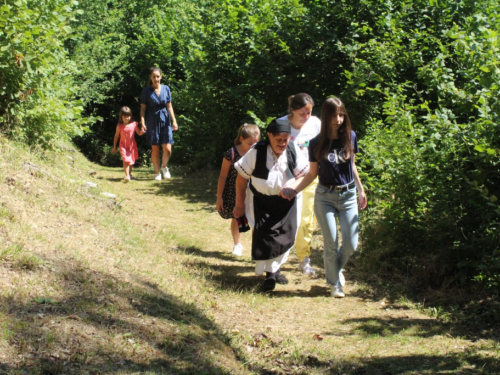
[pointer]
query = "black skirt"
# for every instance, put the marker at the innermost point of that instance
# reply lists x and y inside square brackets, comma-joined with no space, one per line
[275,225]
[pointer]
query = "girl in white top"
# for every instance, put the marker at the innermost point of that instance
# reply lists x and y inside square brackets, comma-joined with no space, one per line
[304,127]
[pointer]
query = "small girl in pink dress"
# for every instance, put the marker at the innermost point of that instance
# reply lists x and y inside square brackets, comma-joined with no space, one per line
[128,147]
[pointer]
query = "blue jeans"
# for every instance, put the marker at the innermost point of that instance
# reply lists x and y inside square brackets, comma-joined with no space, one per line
[328,206]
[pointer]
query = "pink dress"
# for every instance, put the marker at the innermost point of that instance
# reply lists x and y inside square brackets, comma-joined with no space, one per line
[128,145]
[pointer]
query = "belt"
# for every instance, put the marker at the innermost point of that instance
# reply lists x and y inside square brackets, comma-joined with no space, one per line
[340,188]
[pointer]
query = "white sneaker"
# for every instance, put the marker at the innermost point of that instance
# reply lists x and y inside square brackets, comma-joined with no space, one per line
[305,267]
[341,278]
[158,177]
[337,292]
[238,249]
[126,179]
[166,172]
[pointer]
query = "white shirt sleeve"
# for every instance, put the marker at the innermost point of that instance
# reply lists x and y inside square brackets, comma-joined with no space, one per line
[246,165]
[317,125]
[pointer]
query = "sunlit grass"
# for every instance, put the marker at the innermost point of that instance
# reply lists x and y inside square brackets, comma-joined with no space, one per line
[152,287]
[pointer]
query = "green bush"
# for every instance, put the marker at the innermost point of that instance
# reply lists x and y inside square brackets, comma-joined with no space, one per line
[427,74]
[37,101]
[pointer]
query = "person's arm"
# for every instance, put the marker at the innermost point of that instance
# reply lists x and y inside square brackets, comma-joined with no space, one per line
[170,110]
[139,131]
[117,135]
[241,191]
[300,184]
[224,170]
[362,200]
[143,117]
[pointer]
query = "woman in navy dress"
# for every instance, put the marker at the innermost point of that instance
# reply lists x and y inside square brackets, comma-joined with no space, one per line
[158,119]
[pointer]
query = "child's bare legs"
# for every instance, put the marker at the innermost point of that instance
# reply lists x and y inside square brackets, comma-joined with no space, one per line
[127,168]
[235,231]
[237,248]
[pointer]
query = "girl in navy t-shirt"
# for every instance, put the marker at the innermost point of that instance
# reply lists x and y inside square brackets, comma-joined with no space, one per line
[332,157]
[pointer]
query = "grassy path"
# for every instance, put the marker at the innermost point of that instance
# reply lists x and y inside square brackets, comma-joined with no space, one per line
[147,284]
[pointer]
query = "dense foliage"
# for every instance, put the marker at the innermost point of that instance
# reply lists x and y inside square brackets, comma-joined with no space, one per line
[419,78]
[37,101]
[431,148]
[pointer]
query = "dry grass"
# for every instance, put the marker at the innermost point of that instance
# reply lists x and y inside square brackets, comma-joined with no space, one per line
[145,283]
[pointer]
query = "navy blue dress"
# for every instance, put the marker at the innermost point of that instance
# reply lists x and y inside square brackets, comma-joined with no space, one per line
[159,128]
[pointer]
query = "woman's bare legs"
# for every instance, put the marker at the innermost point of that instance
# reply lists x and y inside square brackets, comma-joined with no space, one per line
[167,152]
[155,158]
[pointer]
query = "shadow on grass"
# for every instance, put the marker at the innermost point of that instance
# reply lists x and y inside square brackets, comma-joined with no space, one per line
[456,363]
[4,368]
[239,276]
[104,325]
[138,174]
[394,326]
[112,179]
[193,250]
[198,188]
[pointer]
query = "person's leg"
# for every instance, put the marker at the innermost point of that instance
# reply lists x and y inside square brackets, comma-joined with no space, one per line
[155,158]
[130,171]
[280,278]
[237,248]
[126,168]
[235,231]
[348,219]
[324,208]
[167,152]
[306,228]
[269,282]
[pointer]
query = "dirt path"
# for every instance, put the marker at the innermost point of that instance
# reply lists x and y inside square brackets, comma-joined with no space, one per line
[298,325]
[145,283]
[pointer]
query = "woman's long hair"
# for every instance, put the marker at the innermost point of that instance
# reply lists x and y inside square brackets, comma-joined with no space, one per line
[331,107]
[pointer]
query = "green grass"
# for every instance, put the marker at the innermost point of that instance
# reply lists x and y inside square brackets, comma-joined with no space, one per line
[149,286]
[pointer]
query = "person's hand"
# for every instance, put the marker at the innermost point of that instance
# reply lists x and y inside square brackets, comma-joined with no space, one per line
[239,210]
[143,128]
[219,205]
[362,200]
[174,126]
[287,193]
[113,150]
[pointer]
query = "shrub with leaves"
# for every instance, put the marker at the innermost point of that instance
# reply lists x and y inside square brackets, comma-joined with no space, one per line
[427,74]
[37,102]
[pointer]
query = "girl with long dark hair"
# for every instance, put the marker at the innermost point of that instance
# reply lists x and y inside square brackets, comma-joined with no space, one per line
[332,158]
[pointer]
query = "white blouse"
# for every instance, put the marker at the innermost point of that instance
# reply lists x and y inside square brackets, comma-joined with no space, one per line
[277,167]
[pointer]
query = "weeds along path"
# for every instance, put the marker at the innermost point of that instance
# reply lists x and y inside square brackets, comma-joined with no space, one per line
[298,328]
[145,283]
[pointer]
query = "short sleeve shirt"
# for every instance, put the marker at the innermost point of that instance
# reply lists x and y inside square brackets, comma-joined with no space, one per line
[302,136]
[334,169]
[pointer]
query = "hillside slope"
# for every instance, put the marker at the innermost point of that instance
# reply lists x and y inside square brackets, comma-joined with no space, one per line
[144,282]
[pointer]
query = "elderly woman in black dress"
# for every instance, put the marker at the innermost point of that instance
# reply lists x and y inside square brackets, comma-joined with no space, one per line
[273,166]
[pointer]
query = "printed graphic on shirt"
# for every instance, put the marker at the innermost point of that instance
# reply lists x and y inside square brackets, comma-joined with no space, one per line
[301,145]
[337,157]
